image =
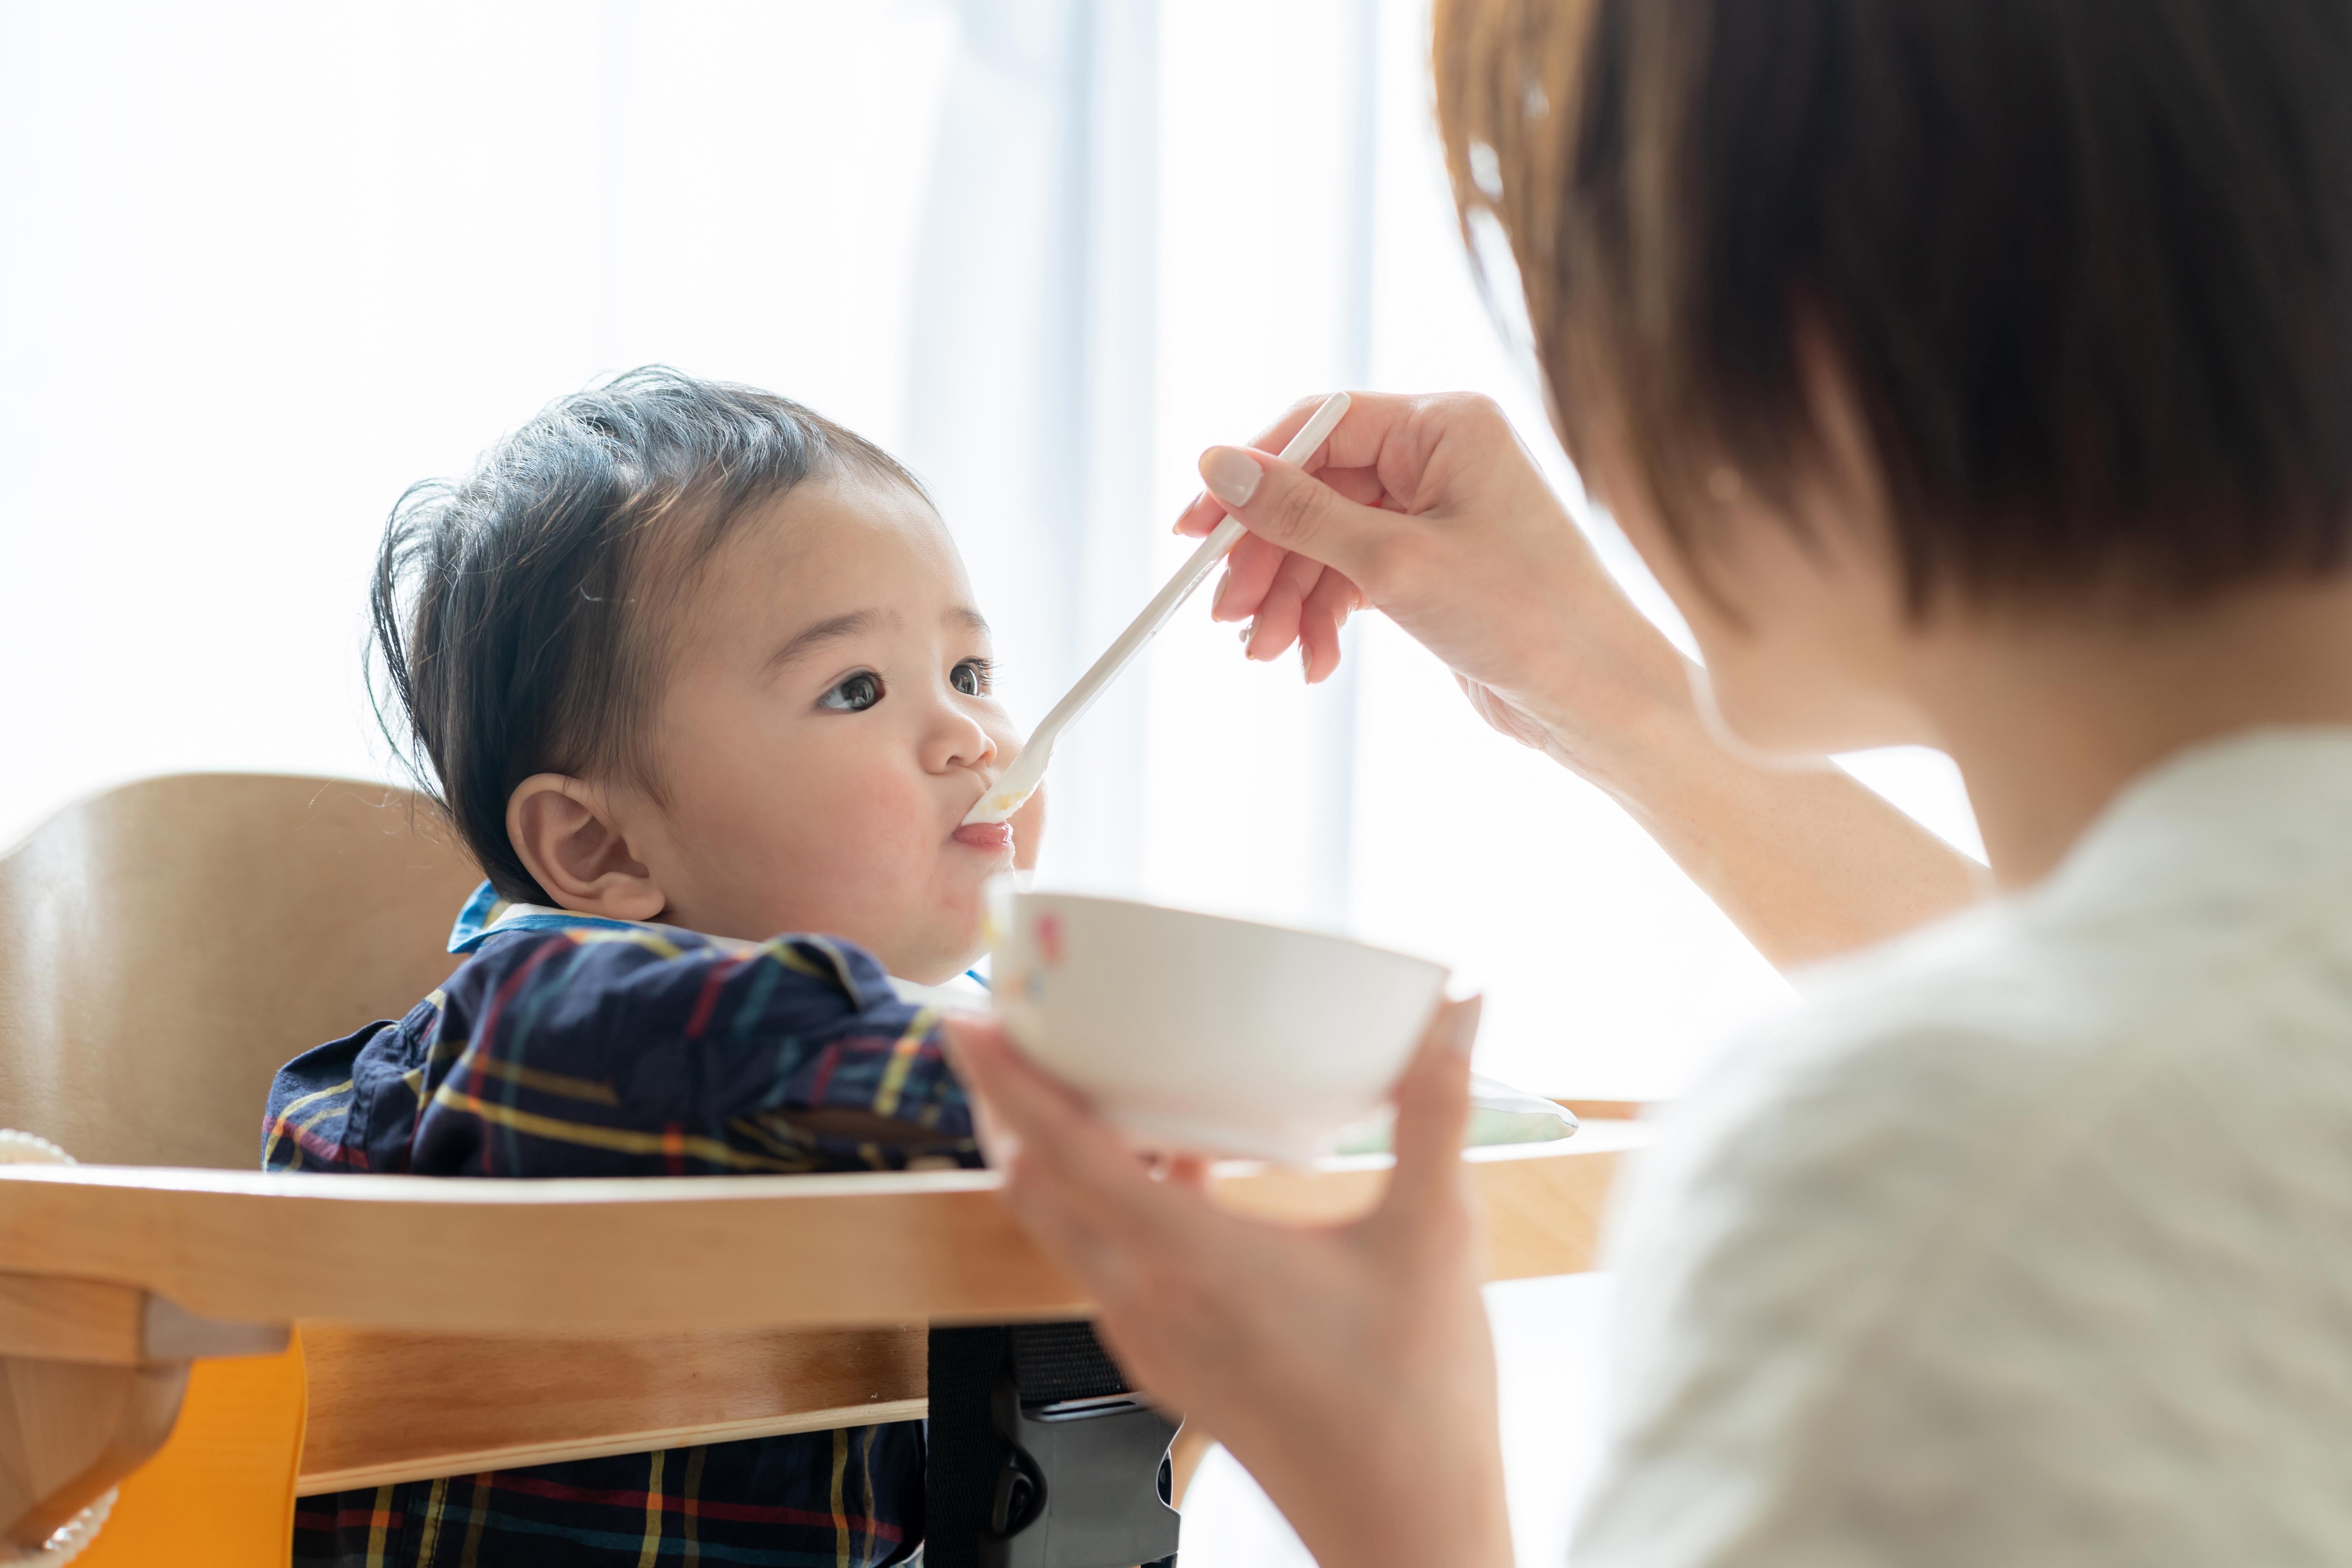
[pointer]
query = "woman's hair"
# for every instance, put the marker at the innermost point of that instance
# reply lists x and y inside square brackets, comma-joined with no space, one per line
[2086,265]
[522,613]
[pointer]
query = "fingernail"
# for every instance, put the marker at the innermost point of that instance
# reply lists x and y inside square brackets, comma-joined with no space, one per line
[1231,474]
[1217,603]
[1459,1030]
[1178,527]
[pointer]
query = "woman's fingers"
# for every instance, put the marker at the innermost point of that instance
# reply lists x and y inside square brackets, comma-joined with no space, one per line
[1327,610]
[1349,462]
[1035,1110]
[1361,485]
[1294,510]
[1029,829]
[1432,1099]
[1203,516]
[1021,1099]
[1069,1174]
[1254,563]
[1349,1366]
[1250,571]
[994,1076]
[1276,627]
[1186,1171]
[1433,1095]
[984,1059]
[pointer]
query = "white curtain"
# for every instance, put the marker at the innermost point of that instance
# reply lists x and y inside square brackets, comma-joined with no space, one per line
[265,262]
[1030,384]
[268,263]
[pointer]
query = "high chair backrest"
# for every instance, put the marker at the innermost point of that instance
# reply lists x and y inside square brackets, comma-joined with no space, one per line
[169,943]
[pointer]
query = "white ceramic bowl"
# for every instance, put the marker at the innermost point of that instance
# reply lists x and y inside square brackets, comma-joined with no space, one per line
[1195,1031]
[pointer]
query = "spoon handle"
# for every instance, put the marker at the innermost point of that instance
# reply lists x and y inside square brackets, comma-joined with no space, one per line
[1021,779]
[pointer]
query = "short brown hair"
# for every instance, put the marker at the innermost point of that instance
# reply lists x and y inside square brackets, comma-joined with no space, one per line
[2087,263]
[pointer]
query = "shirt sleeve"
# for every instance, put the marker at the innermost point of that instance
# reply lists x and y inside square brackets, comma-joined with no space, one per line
[1765,1246]
[596,1053]
[1841,1332]
[309,1125]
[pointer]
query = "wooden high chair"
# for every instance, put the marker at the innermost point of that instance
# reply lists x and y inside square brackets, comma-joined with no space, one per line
[169,944]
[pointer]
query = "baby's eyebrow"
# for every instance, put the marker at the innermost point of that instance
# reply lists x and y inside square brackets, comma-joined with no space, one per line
[966,616]
[830,629]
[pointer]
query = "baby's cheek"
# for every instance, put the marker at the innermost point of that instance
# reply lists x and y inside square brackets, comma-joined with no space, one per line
[892,829]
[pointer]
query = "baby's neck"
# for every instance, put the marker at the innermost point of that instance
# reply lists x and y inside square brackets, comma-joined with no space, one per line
[919,968]
[936,971]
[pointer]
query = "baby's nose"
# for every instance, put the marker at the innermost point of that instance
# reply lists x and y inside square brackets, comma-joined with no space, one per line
[958,740]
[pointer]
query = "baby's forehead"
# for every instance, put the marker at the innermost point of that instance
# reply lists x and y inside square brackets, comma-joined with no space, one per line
[845,511]
[831,545]
[872,532]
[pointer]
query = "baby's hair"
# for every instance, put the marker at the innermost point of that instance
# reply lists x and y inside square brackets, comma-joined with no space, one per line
[517,611]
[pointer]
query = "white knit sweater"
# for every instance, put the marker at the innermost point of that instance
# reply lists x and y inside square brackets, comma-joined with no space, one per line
[2030,1241]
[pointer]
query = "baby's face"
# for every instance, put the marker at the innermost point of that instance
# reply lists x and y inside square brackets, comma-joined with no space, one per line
[828,721]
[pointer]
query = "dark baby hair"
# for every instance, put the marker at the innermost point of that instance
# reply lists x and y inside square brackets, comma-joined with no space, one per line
[2087,265]
[518,612]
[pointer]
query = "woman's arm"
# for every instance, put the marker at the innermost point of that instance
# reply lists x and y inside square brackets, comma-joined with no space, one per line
[1348,1367]
[1429,509]
[1806,862]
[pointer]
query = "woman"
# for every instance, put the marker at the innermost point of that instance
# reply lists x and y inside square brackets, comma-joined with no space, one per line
[1974,375]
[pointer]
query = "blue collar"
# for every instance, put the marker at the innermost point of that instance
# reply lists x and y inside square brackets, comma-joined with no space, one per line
[486,915]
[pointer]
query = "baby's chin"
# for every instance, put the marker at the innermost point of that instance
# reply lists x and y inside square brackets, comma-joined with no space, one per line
[938,973]
[928,933]
[935,956]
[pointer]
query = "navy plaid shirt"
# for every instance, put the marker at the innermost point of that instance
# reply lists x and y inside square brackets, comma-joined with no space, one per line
[566,1046]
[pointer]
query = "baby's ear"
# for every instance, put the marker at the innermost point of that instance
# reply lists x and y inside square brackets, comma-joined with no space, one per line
[564,830]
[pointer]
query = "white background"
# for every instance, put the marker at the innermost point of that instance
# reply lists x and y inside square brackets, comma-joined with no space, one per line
[265,263]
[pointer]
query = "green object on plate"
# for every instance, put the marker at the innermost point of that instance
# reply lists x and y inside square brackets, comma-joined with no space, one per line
[1499,1114]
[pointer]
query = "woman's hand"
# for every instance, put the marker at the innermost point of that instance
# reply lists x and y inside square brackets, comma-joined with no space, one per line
[1029,830]
[1348,1367]
[1431,510]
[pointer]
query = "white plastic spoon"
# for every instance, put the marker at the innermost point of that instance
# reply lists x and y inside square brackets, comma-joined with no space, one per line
[1021,779]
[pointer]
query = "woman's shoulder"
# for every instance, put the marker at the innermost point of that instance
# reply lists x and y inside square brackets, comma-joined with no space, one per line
[2049,1077]
[2005,1035]
[1967,1213]
[2147,964]
[1922,1047]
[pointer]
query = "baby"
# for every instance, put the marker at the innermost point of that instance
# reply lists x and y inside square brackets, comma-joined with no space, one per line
[687,666]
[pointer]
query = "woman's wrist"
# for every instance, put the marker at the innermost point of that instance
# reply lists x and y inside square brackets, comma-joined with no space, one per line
[1434,1495]
[1769,845]
[1623,719]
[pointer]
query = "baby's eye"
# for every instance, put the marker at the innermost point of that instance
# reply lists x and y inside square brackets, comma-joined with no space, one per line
[854,693]
[971,677]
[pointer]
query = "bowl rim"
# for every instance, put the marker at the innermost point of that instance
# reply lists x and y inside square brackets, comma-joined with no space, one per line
[1444,970]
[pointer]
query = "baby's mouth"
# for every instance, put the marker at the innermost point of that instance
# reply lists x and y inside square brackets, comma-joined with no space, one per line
[985,835]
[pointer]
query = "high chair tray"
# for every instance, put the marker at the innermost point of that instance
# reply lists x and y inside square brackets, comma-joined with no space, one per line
[702,1252]
[452,1326]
